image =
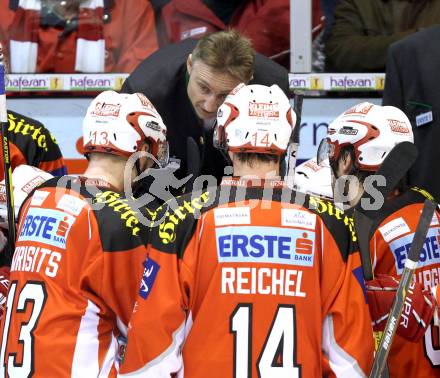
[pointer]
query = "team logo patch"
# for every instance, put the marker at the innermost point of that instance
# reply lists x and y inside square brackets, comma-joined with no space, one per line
[27,188]
[394,229]
[298,218]
[263,110]
[232,215]
[151,268]
[46,226]
[362,108]
[104,109]
[398,127]
[273,245]
[145,101]
[429,255]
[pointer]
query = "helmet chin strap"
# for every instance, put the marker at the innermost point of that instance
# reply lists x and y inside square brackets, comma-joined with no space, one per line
[138,168]
[354,170]
[225,155]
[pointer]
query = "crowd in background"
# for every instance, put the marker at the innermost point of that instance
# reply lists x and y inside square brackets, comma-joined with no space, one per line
[66,36]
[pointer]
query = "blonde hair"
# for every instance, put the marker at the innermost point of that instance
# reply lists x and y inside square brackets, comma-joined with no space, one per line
[228,52]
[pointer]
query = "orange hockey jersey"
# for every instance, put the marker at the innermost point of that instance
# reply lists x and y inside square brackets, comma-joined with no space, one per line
[240,282]
[389,246]
[74,276]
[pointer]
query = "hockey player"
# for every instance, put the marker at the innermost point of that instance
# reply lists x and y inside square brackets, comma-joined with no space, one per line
[31,143]
[358,141]
[79,254]
[244,282]
[24,179]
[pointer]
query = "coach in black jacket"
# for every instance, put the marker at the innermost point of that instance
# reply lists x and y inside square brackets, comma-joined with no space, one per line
[412,84]
[180,93]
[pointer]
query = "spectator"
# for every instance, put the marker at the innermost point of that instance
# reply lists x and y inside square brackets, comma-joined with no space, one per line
[31,143]
[160,27]
[25,178]
[410,84]
[249,283]
[264,22]
[188,81]
[328,10]
[78,35]
[363,30]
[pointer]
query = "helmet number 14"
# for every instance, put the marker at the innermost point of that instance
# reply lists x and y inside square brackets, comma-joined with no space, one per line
[260,139]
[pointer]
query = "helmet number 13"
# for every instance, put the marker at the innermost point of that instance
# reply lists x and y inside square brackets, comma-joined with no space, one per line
[99,137]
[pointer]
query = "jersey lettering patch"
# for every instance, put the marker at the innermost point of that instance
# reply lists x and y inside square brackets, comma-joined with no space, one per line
[393,229]
[298,218]
[265,245]
[71,204]
[232,215]
[429,255]
[38,197]
[151,268]
[46,226]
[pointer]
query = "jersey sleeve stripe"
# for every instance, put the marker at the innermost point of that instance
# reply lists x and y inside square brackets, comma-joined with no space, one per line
[86,356]
[342,364]
[170,361]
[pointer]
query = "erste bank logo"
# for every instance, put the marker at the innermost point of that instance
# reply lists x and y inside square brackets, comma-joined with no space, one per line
[46,226]
[273,245]
[429,255]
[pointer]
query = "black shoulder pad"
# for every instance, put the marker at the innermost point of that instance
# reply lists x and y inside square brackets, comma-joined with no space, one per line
[411,196]
[174,223]
[34,141]
[119,221]
[120,225]
[339,223]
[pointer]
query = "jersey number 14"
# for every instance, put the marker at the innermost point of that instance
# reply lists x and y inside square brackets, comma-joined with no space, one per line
[277,358]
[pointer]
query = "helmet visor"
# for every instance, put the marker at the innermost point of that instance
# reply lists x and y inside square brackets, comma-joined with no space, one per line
[163,154]
[325,152]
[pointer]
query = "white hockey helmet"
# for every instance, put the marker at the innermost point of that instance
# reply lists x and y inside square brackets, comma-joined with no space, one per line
[24,179]
[118,124]
[255,118]
[372,130]
[314,178]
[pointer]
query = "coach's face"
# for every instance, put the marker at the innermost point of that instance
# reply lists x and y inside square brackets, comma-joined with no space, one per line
[207,89]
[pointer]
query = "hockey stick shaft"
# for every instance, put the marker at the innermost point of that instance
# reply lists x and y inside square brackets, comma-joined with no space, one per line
[7,163]
[399,300]
[294,139]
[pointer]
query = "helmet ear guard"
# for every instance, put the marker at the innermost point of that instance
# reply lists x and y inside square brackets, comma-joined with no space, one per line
[219,139]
